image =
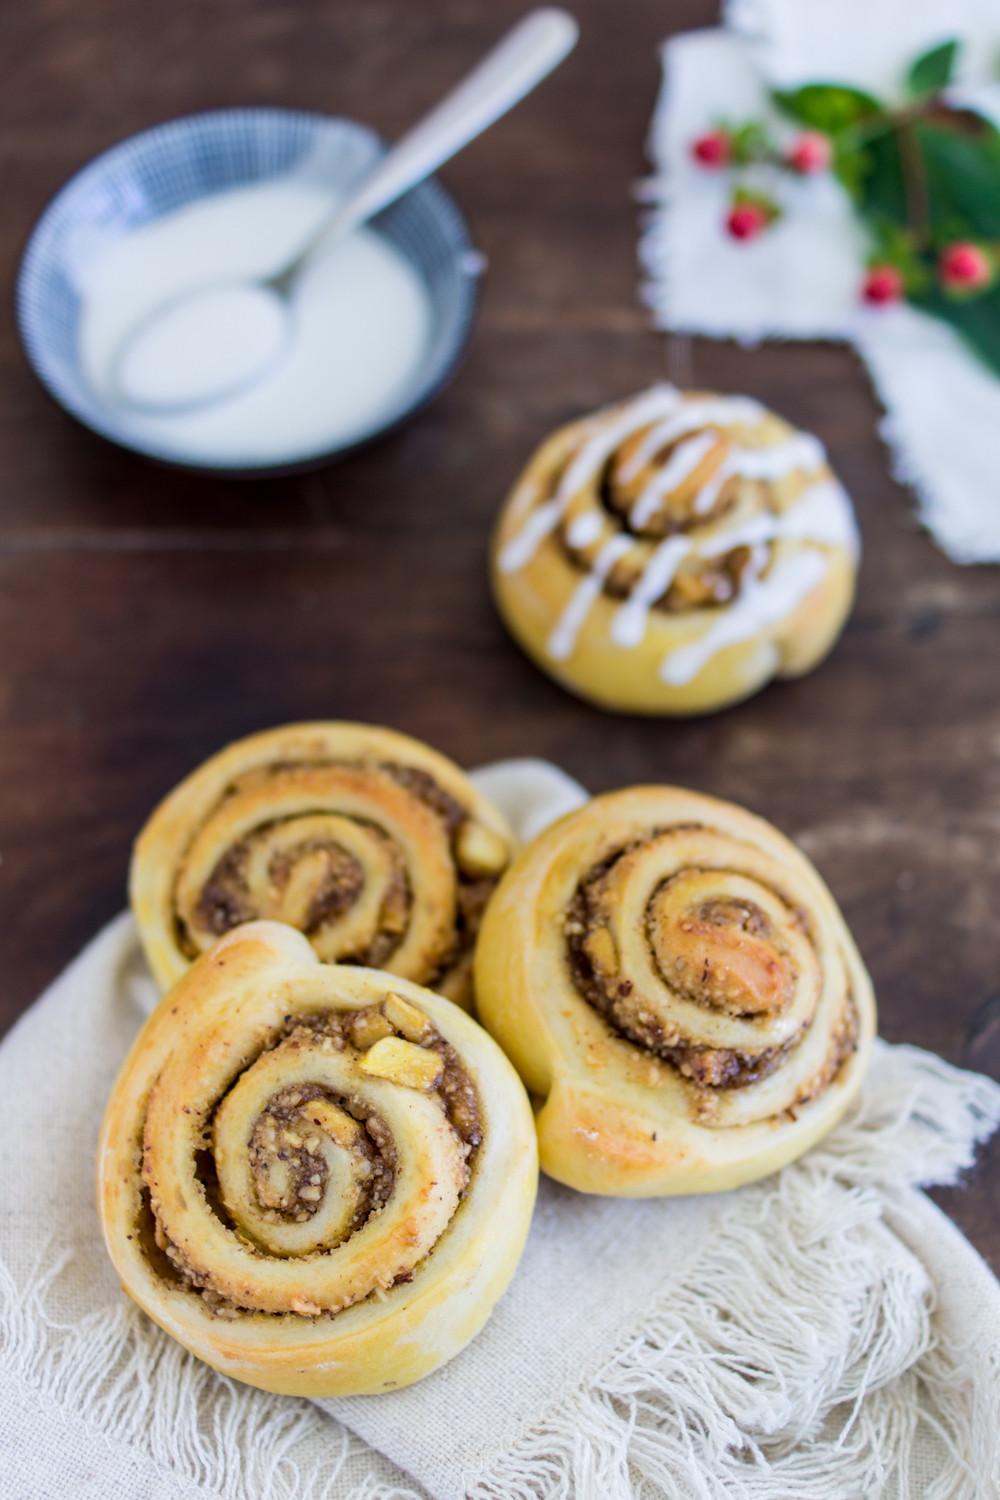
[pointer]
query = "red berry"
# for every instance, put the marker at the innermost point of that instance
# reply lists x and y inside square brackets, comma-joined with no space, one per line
[882,284]
[964,267]
[713,150]
[811,153]
[746,221]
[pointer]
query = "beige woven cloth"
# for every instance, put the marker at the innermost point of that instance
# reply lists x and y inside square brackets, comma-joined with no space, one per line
[827,1333]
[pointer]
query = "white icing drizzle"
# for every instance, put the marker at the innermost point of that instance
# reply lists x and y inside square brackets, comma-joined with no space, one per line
[803,451]
[762,601]
[523,496]
[563,638]
[822,514]
[584,529]
[715,411]
[709,492]
[629,624]
[654,403]
[662,405]
[683,461]
[521,548]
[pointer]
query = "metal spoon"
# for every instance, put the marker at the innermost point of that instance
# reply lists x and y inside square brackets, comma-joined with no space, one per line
[230,334]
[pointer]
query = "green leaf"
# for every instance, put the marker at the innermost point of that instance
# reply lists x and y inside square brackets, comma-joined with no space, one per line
[931,72]
[963,180]
[851,165]
[978,321]
[760,200]
[830,107]
[882,197]
[751,143]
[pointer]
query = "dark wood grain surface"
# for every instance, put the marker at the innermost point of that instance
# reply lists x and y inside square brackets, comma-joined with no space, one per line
[147,617]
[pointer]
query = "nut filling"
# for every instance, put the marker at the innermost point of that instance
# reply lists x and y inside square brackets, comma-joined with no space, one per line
[375,863]
[293,1170]
[707,968]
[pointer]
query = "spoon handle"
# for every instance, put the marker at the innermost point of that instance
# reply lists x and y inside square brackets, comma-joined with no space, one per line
[512,69]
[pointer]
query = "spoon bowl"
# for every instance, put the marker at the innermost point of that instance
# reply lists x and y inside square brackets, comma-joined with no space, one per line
[240,329]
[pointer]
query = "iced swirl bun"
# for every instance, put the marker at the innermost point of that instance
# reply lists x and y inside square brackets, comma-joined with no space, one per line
[375,846]
[317,1178]
[676,986]
[672,554]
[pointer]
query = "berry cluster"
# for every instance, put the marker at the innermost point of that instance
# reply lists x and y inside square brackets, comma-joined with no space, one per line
[963,268]
[921,172]
[810,153]
[751,212]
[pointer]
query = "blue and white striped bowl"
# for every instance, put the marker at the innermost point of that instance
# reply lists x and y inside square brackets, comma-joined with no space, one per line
[170,165]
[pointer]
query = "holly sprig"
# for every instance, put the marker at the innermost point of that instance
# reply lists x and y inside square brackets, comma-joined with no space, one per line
[923,175]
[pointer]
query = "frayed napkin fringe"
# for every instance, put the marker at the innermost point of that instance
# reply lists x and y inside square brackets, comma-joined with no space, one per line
[797,1355]
[140,1389]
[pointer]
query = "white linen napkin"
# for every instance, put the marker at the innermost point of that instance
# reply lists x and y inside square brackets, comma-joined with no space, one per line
[824,1333]
[802,278]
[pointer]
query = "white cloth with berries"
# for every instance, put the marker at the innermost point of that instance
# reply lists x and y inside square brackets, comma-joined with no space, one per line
[804,277]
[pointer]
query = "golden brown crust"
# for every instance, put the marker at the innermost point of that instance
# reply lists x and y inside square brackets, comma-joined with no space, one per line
[670,555]
[673,980]
[377,847]
[319,1179]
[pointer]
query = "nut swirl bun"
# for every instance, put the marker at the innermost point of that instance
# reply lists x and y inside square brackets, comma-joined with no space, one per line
[378,848]
[671,554]
[674,982]
[317,1178]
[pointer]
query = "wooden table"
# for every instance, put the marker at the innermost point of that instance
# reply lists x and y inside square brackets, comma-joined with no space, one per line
[147,616]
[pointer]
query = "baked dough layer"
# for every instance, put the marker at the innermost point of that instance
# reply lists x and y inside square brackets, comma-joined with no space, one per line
[677,987]
[673,553]
[377,847]
[318,1179]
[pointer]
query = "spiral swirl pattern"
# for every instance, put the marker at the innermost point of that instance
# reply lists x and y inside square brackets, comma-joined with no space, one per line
[687,986]
[689,947]
[293,1145]
[674,552]
[376,848]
